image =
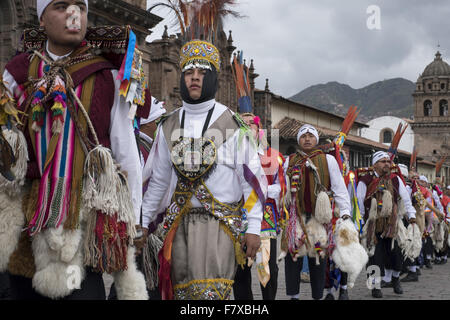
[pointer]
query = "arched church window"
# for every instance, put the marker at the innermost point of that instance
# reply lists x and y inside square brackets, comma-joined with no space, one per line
[386,136]
[443,108]
[427,108]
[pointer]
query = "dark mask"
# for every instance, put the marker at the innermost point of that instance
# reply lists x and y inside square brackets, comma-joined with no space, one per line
[209,87]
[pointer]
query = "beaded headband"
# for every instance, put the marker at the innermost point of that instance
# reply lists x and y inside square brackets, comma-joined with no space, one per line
[199,54]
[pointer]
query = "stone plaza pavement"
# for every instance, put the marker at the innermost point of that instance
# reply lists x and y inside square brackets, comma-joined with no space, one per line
[433,284]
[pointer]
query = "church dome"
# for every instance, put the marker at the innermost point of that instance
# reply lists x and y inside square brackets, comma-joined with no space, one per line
[437,68]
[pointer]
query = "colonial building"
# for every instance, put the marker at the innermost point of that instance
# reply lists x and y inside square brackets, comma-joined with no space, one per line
[382,130]
[431,115]
[272,108]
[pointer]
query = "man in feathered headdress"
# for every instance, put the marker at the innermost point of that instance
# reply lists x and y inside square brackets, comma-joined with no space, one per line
[273,218]
[206,185]
[80,209]
[379,193]
[312,175]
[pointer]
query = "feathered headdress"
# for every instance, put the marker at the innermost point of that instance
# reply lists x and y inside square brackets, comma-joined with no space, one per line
[412,160]
[439,166]
[335,147]
[200,20]
[396,140]
[241,78]
[347,124]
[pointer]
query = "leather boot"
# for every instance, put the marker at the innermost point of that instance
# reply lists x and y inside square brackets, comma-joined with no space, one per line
[343,294]
[411,277]
[376,293]
[396,285]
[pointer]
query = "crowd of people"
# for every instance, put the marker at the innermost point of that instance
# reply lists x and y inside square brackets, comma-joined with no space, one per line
[97,177]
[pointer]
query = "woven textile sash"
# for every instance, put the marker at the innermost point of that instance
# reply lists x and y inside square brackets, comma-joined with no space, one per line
[318,158]
[60,160]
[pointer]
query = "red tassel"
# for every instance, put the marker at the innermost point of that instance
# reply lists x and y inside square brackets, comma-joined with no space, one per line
[164,278]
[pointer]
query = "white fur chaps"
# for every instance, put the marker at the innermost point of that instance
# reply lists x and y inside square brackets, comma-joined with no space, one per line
[438,236]
[12,218]
[413,242]
[130,284]
[59,262]
[316,234]
[12,221]
[349,255]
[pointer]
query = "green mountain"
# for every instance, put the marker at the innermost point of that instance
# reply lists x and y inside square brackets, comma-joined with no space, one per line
[388,97]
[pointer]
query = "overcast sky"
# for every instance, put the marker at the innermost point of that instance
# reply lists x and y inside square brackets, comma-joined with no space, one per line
[299,43]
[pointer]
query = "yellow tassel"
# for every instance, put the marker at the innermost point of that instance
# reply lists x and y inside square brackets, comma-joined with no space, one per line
[38,108]
[57,106]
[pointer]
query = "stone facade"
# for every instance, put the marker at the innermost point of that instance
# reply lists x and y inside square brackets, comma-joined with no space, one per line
[431,115]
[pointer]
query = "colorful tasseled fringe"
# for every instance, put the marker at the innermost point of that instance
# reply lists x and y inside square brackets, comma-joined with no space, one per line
[59,97]
[110,243]
[38,109]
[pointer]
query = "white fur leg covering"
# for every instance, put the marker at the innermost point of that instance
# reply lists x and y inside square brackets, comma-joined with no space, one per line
[413,243]
[316,234]
[130,284]
[12,218]
[349,255]
[12,221]
[323,212]
[402,235]
[59,262]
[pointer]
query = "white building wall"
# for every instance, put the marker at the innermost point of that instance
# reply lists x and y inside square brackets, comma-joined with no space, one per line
[379,124]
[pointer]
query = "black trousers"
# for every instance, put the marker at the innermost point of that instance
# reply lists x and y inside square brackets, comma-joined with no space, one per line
[242,287]
[328,282]
[92,288]
[428,247]
[385,257]
[317,273]
[4,286]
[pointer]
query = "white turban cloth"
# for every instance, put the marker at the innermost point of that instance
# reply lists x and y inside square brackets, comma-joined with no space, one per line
[42,4]
[307,128]
[423,178]
[403,169]
[157,110]
[378,156]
